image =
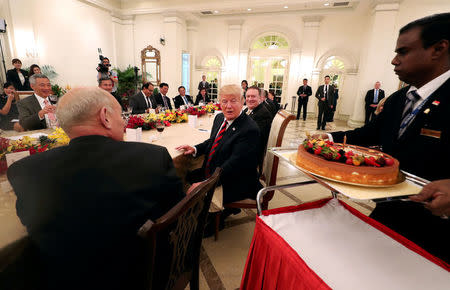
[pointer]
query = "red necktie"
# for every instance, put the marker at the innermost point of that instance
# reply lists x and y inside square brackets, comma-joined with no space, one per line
[214,146]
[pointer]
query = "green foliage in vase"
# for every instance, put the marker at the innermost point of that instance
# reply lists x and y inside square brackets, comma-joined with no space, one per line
[58,91]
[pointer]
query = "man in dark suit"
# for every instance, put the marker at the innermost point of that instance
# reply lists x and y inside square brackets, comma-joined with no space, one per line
[303,94]
[143,101]
[202,97]
[262,117]
[161,98]
[232,146]
[325,95]
[182,99]
[271,104]
[203,84]
[18,76]
[85,205]
[36,111]
[414,128]
[373,97]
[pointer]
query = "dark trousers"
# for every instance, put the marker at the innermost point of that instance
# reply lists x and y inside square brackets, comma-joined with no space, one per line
[323,114]
[370,114]
[302,102]
[417,224]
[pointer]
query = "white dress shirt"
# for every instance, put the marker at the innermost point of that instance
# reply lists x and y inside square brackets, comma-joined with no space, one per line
[426,90]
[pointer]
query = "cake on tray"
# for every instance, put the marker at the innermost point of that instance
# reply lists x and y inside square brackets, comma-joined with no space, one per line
[347,163]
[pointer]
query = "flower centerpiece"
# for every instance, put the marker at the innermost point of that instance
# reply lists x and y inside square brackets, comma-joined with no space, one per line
[35,145]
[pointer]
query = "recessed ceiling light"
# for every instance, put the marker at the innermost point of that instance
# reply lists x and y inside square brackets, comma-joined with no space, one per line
[249,9]
[286,7]
[216,11]
[327,4]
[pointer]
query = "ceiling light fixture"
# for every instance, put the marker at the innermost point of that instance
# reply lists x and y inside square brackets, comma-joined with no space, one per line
[249,9]
[286,7]
[216,11]
[326,4]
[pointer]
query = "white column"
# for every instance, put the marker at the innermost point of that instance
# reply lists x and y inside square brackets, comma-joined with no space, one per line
[233,52]
[174,29]
[192,40]
[293,78]
[243,61]
[311,25]
[375,65]
[123,34]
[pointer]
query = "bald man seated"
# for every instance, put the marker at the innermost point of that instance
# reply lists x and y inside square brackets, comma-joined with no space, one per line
[83,204]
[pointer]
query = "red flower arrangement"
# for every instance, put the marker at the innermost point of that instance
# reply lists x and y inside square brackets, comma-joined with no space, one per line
[196,111]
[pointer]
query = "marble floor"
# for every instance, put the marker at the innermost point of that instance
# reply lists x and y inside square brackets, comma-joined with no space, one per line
[222,262]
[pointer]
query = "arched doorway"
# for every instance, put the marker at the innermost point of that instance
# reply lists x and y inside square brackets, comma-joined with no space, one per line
[212,71]
[268,63]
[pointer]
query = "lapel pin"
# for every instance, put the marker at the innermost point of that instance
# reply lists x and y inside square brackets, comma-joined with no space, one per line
[427,110]
[234,129]
[436,103]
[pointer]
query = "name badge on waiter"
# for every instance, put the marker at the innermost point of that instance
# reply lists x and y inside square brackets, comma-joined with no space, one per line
[427,131]
[430,133]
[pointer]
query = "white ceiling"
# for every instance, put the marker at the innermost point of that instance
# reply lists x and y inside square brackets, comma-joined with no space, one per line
[223,7]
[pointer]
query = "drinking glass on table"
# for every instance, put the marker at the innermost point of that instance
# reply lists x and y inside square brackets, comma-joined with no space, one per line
[160,128]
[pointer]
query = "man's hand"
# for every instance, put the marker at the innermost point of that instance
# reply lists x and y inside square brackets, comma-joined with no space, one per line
[331,106]
[323,99]
[47,109]
[187,149]
[436,197]
[320,136]
[193,186]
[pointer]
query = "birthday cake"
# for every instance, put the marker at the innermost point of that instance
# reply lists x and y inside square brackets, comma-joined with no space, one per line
[347,163]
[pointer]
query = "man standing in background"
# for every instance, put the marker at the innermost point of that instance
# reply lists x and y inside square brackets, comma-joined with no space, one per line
[373,97]
[303,94]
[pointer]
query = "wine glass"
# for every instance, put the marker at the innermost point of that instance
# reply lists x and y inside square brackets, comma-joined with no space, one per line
[53,99]
[160,128]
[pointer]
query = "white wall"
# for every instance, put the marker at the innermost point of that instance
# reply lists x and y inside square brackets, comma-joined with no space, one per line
[65,34]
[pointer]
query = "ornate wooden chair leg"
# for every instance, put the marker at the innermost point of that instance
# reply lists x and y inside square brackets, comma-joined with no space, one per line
[216,228]
[194,283]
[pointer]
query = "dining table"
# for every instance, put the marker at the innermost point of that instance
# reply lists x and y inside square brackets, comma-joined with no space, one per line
[12,230]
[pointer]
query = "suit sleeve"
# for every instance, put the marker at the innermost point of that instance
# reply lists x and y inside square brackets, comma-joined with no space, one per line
[318,93]
[244,152]
[27,119]
[308,91]
[367,135]
[135,105]
[367,99]
[298,91]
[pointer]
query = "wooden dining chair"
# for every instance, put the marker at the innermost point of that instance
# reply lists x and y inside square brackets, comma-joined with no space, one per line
[270,164]
[174,240]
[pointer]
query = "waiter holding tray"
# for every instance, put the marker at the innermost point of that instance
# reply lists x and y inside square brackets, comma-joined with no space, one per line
[414,127]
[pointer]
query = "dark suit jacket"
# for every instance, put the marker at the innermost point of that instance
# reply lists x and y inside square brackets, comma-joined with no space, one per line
[263,118]
[139,103]
[236,154]
[13,76]
[84,208]
[369,97]
[272,106]
[414,150]
[178,101]
[206,86]
[302,90]
[329,98]
[199,98]
[159,100]
[28,114]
